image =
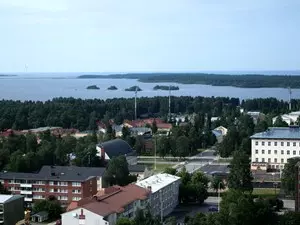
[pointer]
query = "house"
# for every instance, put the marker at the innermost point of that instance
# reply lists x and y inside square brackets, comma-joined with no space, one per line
[290,118]
[109,205]
[220,132]
[40,217]
[164,193]
[161,126]
[66,183]
[256,116]
[272,148]
[11,209]
[114,148]
[140,171]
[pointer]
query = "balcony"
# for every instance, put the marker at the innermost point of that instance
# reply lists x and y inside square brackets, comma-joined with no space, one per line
[25,192]
[28,199]
[26,185]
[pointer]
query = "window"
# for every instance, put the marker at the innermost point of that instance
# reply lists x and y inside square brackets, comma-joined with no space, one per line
[262,151]
[263,143]
[256,159]
[294,144]
[282,143]
[51,183]
[269,160]
[38,197]
[275,160]
[256,143]
[282,160]
[294,152]
[76,198]
[275,152]
[282,152]
[263,159]
[76,191]
[269,151]
[62,183]
[269,143]
[256,151]
[76,184]
[288,143]
[275,143]
[288,152]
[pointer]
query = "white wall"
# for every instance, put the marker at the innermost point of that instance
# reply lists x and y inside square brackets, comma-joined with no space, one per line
[90,218]
[272,148]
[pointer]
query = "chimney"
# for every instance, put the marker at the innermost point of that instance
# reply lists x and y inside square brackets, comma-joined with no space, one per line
[149,188]
[81,218]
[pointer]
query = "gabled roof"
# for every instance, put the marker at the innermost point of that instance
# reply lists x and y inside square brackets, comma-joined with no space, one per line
[292,133]
[58,173]
[136,168]
[8,198]
[116,147]
[114,200]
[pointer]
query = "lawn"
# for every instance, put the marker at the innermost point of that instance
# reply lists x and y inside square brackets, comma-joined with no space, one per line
[161,167]
[265,191]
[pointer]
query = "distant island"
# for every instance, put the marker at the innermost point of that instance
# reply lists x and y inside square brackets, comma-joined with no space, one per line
[7,75]
[133,88]
[243,81]
[93,87]
[166,88]
[112,88]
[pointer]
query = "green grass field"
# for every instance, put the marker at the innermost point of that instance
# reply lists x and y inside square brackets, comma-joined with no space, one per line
[265,191]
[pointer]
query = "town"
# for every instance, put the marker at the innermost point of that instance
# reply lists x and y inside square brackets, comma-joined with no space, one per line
[196,164]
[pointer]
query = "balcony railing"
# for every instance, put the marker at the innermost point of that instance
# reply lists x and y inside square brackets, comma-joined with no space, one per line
[26,185]
[22,192]
[28,199]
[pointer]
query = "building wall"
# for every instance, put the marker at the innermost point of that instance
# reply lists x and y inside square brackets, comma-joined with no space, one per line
[72,217]
[13,211]
[64,191]
[165,200]
[274,152]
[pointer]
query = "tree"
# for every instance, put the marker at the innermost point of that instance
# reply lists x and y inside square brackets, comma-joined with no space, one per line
[182,146]
[170,221]
[240,177]
[125,132]
[3,190]
[124,221]
[290,218]
[288,180]
[117,172]
[144,217]
[170,170]
[280,123]
[154,127]
[52,206]
[217,184]
[163,146]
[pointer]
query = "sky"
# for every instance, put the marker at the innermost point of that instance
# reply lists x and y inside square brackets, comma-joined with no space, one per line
[149,35]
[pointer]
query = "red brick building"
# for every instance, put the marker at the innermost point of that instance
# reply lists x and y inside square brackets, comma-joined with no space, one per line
[67,184]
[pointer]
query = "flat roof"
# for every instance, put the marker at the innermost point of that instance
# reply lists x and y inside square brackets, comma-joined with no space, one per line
[158,181]
[4,198]
[291,133]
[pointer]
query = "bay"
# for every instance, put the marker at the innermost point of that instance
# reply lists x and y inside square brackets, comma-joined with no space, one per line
[43,89]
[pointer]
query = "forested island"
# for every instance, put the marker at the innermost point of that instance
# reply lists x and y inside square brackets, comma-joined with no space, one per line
[244,81]
[133,88]
[7,75]
[93,87]
[166,88]
[112,88]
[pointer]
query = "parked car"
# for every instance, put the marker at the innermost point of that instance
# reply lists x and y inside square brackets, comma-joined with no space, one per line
[213,209]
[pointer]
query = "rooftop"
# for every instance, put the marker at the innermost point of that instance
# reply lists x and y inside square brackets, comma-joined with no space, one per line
[114,199]
[158,181]
[57,173]
[7,198]
[292,133]
[116,147]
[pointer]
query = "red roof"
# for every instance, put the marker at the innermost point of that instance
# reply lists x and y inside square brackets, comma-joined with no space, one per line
[113,200]
[141,123]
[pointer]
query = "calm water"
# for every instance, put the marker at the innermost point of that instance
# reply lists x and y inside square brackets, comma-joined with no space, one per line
[47,88]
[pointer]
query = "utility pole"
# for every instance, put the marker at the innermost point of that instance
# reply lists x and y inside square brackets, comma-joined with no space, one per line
[169,103]
[135,104]
[290,98]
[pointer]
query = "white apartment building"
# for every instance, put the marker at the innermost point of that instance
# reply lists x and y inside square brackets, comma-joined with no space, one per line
[272,148]
[164,193]
[290,118]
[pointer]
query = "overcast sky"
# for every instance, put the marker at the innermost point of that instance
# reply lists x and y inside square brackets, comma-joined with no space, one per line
[149,35]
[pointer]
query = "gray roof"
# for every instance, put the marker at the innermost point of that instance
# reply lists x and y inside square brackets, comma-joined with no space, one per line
[9,198]
[57,173]
[279,133]
[41,214]
[136,168]
[116,147]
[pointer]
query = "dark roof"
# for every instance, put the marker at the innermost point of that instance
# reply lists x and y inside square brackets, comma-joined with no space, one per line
[292,133]
[57,173]
[116,147]
[136,168]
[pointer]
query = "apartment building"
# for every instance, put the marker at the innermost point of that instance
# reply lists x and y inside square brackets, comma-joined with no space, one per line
[272,148]
[108,205]
[164,193]
[11,209]
[67,184]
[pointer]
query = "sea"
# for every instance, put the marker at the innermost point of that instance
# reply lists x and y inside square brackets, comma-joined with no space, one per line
[46,86]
